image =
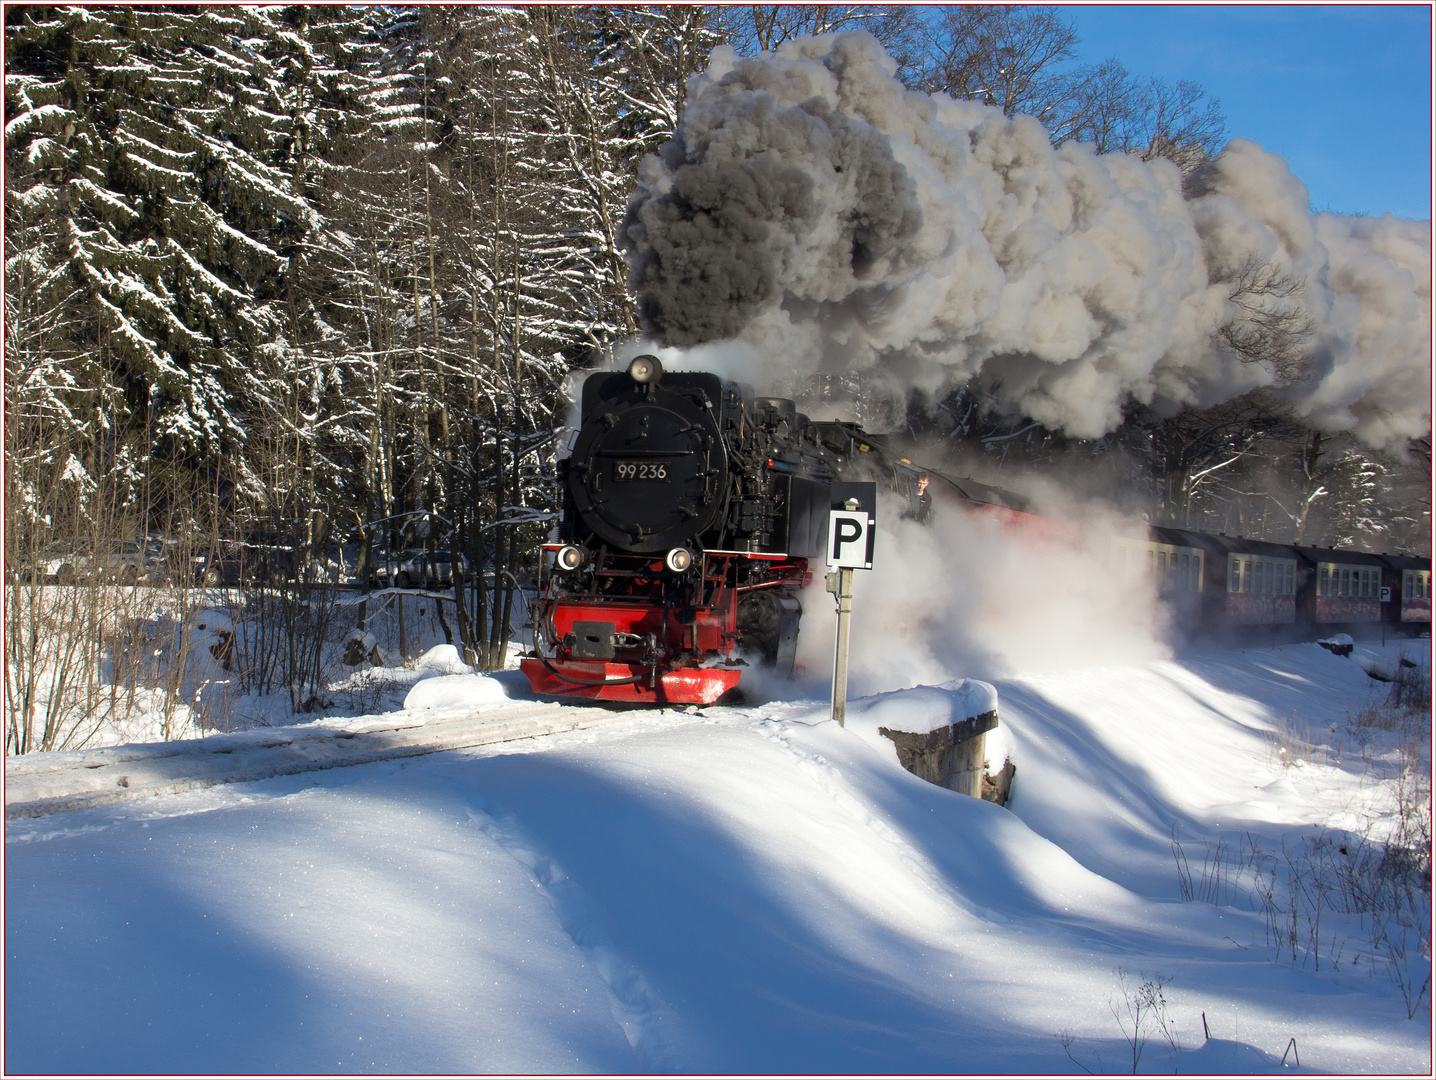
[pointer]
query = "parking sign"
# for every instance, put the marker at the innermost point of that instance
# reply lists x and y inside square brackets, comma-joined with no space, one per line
[851,534]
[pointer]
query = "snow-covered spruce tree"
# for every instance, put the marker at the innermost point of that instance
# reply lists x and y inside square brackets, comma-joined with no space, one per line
[305,424]
[167,148]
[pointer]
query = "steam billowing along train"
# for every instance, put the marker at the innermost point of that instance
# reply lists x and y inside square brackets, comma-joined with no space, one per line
[691,511]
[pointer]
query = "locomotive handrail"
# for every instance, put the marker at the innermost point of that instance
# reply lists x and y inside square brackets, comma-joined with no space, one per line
[780,583]
[645,453]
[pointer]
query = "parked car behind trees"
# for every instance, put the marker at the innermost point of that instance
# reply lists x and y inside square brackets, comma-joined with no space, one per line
[68,561]
[244,562]
[417,569]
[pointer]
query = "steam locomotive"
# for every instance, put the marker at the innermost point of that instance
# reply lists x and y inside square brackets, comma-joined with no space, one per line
[691,511]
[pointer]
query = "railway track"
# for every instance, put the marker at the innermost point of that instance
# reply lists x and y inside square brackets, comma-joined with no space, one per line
[40,784]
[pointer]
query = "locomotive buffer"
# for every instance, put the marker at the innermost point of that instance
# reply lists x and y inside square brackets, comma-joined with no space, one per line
[852,530]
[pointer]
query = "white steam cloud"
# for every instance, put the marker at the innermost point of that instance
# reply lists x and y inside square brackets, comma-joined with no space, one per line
[965,596]
[813,216]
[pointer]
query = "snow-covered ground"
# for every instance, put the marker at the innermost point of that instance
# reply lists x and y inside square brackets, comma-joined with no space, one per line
[736,890]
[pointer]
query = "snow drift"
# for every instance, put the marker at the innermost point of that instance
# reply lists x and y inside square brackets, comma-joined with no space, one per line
[732,891]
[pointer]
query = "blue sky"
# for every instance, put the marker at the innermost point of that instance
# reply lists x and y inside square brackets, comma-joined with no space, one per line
[1342,92]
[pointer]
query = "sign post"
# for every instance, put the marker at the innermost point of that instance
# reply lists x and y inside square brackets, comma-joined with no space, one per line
[852,530]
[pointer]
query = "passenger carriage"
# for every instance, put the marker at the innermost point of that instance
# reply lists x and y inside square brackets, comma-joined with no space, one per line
[1343,590]
[1409,579]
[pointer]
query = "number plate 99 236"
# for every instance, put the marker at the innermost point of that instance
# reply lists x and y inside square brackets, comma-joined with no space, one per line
[640,470]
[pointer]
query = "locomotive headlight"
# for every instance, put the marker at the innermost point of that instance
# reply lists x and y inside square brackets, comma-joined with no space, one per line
[645,369]
[570,557]
[679,560]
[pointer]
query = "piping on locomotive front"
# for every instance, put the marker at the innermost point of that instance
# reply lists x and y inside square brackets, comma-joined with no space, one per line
[690,511]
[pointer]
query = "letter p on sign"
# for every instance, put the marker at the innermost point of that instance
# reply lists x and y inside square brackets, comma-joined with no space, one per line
[850,539]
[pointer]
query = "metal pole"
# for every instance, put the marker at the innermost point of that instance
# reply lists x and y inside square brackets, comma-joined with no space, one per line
[841,584]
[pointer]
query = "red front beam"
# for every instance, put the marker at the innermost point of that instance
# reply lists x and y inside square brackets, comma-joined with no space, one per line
[682,686]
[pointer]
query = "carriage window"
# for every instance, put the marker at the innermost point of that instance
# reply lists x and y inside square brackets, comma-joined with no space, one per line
[1266,578]
[1321,581]
[1426,578]
[1406,583]
[1346,581]
[1250,571]
[1161,562]
[1366,583]
[1186,571]
[1196,573]
[1290,579]
[1234,576]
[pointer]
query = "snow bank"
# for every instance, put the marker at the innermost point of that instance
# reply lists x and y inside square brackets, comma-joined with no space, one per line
[733,890]
[443,659]
[456,692]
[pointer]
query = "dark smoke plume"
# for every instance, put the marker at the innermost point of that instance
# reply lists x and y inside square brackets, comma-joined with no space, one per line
[813,216]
